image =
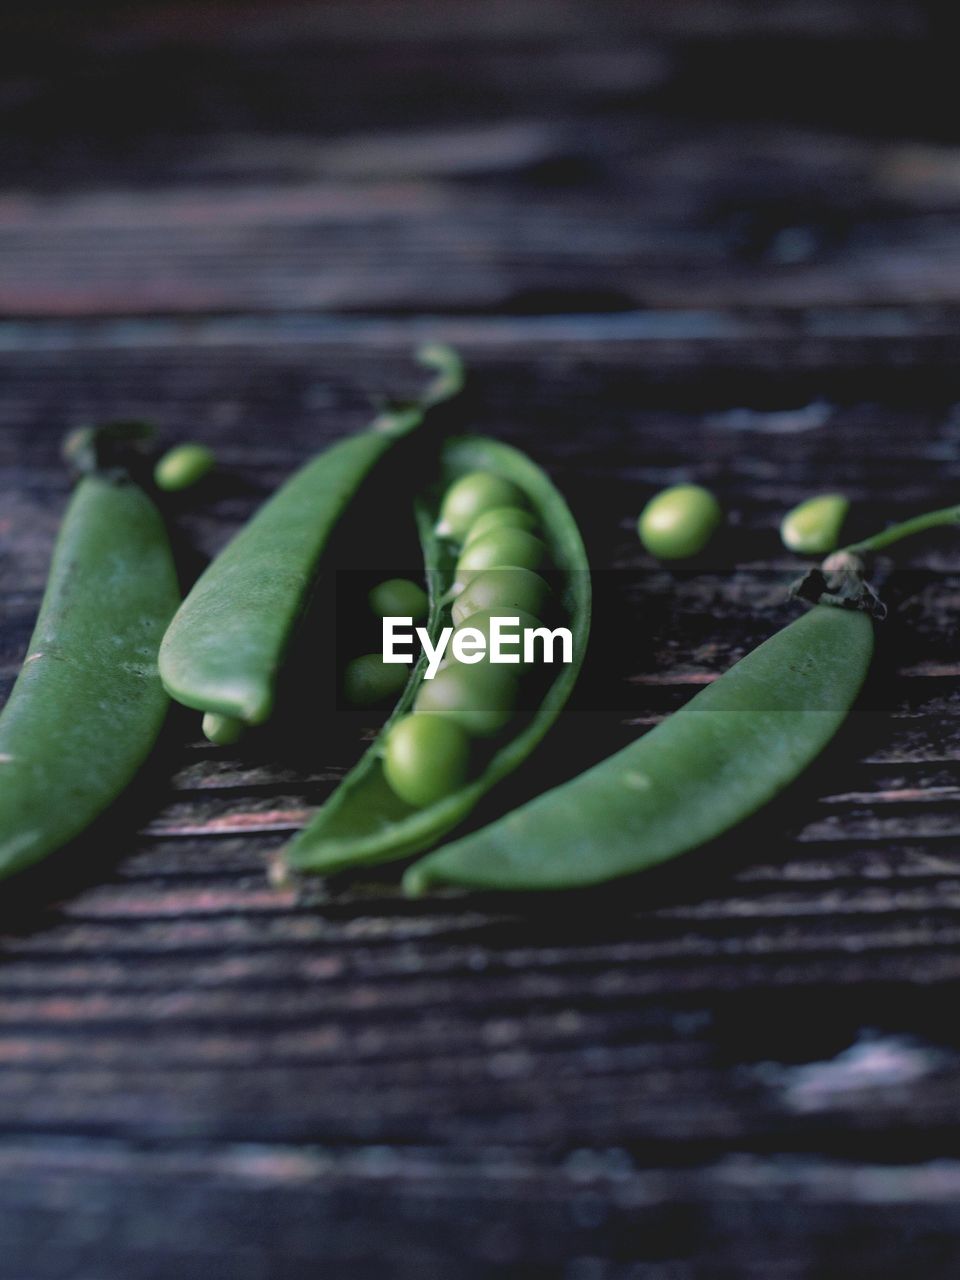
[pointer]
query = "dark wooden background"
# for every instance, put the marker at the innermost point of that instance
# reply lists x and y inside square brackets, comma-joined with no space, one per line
[677,238]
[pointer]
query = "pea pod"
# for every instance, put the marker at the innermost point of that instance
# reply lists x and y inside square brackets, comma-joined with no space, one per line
[224,648]
[714,762]
[364,821]
[88,704]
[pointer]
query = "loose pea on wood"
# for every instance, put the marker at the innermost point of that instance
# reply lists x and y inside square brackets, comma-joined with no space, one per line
[183,466]
[679,522]
[813,527]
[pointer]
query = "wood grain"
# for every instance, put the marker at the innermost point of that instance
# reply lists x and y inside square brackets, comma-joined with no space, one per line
[704,239]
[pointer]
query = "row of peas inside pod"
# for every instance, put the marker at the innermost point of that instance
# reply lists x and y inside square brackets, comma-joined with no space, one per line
[427,753]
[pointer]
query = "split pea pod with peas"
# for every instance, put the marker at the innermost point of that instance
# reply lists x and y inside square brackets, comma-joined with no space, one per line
[223,650]
[451,739]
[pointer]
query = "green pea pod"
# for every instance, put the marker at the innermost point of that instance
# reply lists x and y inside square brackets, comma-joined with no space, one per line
[224,648]
[364,821]
[710,765]
[88,704]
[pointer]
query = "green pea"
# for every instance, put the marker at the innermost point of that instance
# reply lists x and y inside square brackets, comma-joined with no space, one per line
[498,548]
[813,527]
[368,680]
[501,589]
[223,730]
[499,518]
[426,758]
[183,466]
[679,522]
[472,495]
[481,621]
[399,598]
[479,698]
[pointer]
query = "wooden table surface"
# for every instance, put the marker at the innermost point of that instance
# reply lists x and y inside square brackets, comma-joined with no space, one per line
[674,240]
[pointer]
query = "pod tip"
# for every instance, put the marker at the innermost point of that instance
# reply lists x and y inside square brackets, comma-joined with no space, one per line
[109,447]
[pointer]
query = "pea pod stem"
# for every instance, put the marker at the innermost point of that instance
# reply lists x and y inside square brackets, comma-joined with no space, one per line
[905,529]
[223,650]
[88,704]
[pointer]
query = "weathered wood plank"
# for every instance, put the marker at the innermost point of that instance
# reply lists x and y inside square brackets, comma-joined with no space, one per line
[705,238]
[744,1067]
[424,1210]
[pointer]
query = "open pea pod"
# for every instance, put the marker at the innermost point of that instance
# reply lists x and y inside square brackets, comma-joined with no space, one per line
[223,650]
[364,821]
[714,762]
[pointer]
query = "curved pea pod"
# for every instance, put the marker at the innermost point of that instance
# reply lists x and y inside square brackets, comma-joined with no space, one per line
[88,704]
[224,648]
[713,763]
[364,821]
